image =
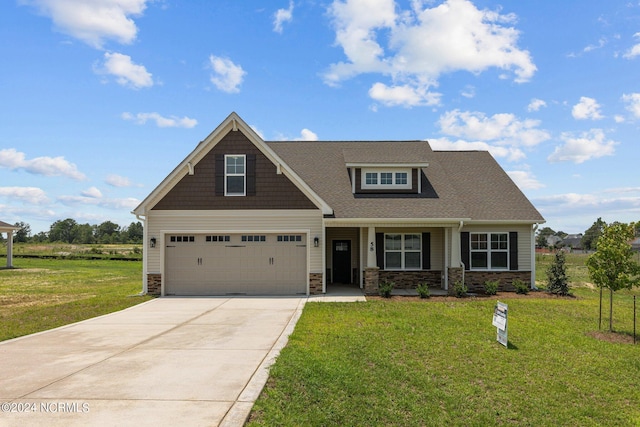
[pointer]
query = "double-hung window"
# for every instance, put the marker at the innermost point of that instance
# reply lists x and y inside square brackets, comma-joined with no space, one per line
[386,179]
[489,251]
[402,252]
[235,177]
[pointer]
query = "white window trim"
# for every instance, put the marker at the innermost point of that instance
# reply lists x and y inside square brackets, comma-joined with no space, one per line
[243,175]
[402,251]
[488,251]
[379,185]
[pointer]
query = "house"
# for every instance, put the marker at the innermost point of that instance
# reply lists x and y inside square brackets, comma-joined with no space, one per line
[240,215]
[573,243]
[9,229]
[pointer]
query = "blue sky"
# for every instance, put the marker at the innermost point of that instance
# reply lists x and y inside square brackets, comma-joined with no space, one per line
[101,99]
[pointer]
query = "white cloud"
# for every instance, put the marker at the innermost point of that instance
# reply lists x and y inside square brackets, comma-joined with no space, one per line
[525,180]
[118,181]
[162,122]
[126,72]
[536,104]
[414,47]
[226,76]
[307,135]
[634,50]
[49,166]
[93,21]
[586,146]
[618,118]
[618,204]
[502,129]
[404,95]
[31,195]
[125,203]
[510,153]
[92,192]
[258,131]
[587,108]
[281,16]
[633,103]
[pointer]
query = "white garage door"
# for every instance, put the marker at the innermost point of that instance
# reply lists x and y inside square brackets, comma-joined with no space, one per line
[221,264]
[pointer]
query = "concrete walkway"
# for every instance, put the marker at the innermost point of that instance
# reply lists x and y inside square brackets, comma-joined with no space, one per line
[169,361]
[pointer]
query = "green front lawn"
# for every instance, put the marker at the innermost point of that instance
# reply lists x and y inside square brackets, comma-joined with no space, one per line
[41,294]
[438,363]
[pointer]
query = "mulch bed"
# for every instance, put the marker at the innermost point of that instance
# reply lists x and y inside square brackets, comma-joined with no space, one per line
[481,297]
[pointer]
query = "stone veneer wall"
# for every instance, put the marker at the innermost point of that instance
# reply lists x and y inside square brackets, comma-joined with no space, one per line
[475,279]
[411,279]
[371,278]
[154,284]
[315,283]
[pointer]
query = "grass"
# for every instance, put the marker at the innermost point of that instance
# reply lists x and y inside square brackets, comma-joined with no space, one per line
[41,294]
[131,252]
[433,363]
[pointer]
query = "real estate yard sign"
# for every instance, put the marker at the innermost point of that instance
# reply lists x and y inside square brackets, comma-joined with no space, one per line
[500,322]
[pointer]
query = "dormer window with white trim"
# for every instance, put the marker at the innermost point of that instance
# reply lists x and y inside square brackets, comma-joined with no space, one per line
[235,175]
[383,179]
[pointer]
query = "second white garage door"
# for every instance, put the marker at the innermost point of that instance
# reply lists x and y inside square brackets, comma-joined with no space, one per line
[222,264]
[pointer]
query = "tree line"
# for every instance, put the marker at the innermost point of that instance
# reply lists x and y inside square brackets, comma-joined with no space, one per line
[70,231]
[589,238]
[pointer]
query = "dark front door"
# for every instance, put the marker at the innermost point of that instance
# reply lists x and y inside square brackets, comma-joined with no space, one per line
[341,261]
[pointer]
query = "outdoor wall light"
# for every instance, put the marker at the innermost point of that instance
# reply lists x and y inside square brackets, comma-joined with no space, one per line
[371,249]
[316,241]
[152,242]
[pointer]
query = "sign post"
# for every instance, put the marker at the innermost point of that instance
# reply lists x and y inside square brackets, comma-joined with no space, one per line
[500,322]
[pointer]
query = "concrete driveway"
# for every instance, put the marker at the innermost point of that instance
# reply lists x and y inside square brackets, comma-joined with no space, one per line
[169,361]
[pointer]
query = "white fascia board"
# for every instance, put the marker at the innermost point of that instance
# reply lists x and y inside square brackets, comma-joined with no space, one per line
[395,221]
[504,222]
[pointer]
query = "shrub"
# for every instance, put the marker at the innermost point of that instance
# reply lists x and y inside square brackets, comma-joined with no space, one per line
[491,287]
[460,289]
[557,280]
[521,287]
[385,288]
[423,290]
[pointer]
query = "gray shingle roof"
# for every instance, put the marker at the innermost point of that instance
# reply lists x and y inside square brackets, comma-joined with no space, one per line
[468,184]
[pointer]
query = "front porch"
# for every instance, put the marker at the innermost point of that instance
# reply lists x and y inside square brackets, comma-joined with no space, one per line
[359,257]
[409,254]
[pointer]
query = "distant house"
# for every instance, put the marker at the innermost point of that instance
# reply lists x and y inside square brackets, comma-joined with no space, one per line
[635,244]
[553,241]
[240,215]
[573,242]
[9,229]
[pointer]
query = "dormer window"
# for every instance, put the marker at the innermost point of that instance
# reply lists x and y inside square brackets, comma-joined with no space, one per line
[386,179]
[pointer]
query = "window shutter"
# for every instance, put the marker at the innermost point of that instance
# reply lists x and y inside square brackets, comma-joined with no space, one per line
[465,249]
[219,177]
[380,250]
[513,250]
[251,174]
[426,251]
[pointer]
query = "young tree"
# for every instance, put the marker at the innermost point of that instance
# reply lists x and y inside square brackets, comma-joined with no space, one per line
[557,280]
[612,265]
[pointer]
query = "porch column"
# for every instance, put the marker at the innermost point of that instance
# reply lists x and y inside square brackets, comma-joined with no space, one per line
[371,272]
[456,260]
[371,248]
[9,248]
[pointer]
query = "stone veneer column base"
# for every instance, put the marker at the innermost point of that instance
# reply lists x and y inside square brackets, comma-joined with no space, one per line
[315,283]
[455,275]
[371,280]
[154,284]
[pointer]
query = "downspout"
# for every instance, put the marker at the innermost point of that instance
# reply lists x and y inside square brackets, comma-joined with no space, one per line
[464,267]
[142,219]
[533,256]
